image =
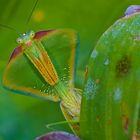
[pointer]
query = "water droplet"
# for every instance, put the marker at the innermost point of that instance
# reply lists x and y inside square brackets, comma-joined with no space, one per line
[106,62]
[94,53]
[117,95]
[91,88]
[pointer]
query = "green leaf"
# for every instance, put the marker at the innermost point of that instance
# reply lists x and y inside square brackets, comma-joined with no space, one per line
[110,105]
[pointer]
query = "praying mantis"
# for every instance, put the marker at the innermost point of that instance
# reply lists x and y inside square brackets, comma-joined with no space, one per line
[51,76]
[43,65]
[47,73]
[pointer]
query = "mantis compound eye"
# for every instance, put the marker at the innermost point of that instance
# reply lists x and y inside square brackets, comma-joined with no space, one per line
[32,34]
[19,41]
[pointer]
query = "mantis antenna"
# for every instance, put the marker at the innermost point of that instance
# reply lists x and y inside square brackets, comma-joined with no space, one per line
[13,29]
[8,27]
[32,12]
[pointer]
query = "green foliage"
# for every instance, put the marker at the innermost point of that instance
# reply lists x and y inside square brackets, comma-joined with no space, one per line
[25,117]
[110,107]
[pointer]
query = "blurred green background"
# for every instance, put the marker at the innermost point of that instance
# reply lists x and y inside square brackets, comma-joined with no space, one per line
[24,118]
